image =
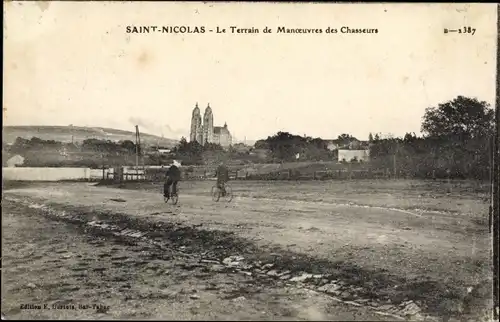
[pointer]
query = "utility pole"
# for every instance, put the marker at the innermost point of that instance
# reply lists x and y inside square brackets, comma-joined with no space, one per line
[141,155]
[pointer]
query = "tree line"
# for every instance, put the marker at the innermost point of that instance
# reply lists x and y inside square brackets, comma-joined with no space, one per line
[21,145]
[282,147]
[457,142]
[89,153]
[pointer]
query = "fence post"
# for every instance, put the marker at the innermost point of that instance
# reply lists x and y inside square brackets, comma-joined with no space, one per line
[314,175]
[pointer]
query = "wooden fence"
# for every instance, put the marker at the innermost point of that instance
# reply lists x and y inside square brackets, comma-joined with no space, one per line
[341,174]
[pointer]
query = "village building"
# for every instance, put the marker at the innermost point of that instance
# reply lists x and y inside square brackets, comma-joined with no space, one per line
[15,161]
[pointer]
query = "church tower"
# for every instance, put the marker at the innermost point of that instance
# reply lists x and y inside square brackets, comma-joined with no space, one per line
[196,126]
[208,125]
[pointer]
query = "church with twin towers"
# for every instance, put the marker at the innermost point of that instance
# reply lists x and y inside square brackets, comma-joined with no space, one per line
[205,132]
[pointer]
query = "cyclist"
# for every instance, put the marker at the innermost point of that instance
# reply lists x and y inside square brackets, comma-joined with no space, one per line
[222,174]
[172,177]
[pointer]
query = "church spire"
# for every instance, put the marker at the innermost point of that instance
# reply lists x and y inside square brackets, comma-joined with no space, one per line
[208,110]
[196,110]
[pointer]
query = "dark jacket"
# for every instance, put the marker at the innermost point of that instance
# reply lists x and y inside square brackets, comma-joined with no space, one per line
[222,173]
[174,173]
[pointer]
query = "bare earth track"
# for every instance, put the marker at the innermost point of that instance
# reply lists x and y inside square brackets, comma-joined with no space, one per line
[406,248]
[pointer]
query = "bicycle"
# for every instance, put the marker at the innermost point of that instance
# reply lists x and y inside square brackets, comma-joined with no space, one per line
[217,193]
[173,196]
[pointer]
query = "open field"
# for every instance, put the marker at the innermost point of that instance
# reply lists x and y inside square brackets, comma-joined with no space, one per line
[61,265]
[469,197]
[378,243]
[306,167]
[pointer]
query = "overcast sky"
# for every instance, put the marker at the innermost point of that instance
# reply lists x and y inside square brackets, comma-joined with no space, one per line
[73,63]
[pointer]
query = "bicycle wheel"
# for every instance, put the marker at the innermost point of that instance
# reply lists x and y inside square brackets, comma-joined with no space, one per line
[215,193]
[175,199]
[229,193]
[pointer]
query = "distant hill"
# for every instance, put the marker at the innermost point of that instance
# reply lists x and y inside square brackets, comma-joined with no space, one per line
[79,133]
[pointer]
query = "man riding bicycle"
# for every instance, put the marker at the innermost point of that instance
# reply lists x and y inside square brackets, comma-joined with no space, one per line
[222,174]
[172,177]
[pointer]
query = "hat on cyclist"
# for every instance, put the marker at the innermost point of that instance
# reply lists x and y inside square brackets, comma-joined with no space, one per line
[176,163]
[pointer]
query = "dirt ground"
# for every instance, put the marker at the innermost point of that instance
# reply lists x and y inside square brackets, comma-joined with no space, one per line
[74,274]
[395,241]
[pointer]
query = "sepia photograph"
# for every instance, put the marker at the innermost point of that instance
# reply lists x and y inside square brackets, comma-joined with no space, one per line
[250,161]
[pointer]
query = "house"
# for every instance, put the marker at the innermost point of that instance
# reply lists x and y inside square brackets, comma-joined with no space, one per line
[15,161]
[353,144]
[345,155]
[333,145]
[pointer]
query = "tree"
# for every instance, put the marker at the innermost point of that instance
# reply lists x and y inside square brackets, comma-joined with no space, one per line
[101,146]
[189,152]
[183,144]
[346,138]
[461,118]
[128,145]
[212,147]
[261,144]
[20,145]
[285,146]
[410,137]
